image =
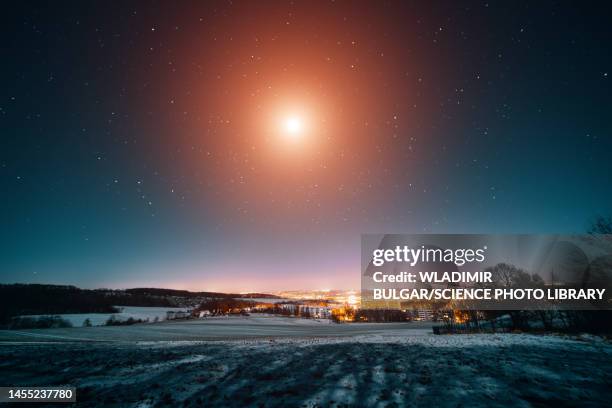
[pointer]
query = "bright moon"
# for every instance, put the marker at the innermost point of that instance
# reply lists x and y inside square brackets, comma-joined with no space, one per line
[293,125]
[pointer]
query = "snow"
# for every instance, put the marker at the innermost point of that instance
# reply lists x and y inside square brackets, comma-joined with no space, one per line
[136,312]
[363,370]
[264,300]
[267,319]
[277,362]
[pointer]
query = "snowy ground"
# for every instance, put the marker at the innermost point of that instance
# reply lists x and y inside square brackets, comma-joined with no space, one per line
[216,328]
[135,312]
[391,365]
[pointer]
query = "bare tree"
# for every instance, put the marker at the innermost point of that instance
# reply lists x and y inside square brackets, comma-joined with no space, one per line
[507,275]
[601,225]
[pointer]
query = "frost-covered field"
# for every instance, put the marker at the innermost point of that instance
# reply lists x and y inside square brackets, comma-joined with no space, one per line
[318,365]
[216,328]
[135,312]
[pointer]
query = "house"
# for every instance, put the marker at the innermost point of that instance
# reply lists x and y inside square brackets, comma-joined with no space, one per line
[317,312]
[179,314]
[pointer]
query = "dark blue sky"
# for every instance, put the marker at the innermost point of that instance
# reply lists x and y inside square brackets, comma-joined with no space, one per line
[140,147]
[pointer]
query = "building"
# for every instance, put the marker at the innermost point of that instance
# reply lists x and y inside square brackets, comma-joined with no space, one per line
[317,312]
[179,314]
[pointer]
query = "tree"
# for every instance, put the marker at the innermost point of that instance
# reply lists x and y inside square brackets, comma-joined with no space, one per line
[601,225]
[507,275]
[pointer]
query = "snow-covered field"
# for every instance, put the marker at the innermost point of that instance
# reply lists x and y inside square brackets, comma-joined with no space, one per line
[217,328]
[281,362]
[263,300]
[135,312]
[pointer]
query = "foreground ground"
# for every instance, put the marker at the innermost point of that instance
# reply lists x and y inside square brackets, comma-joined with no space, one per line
[392,365]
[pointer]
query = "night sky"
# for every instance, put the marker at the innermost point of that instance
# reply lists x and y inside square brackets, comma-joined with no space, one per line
[147,144]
